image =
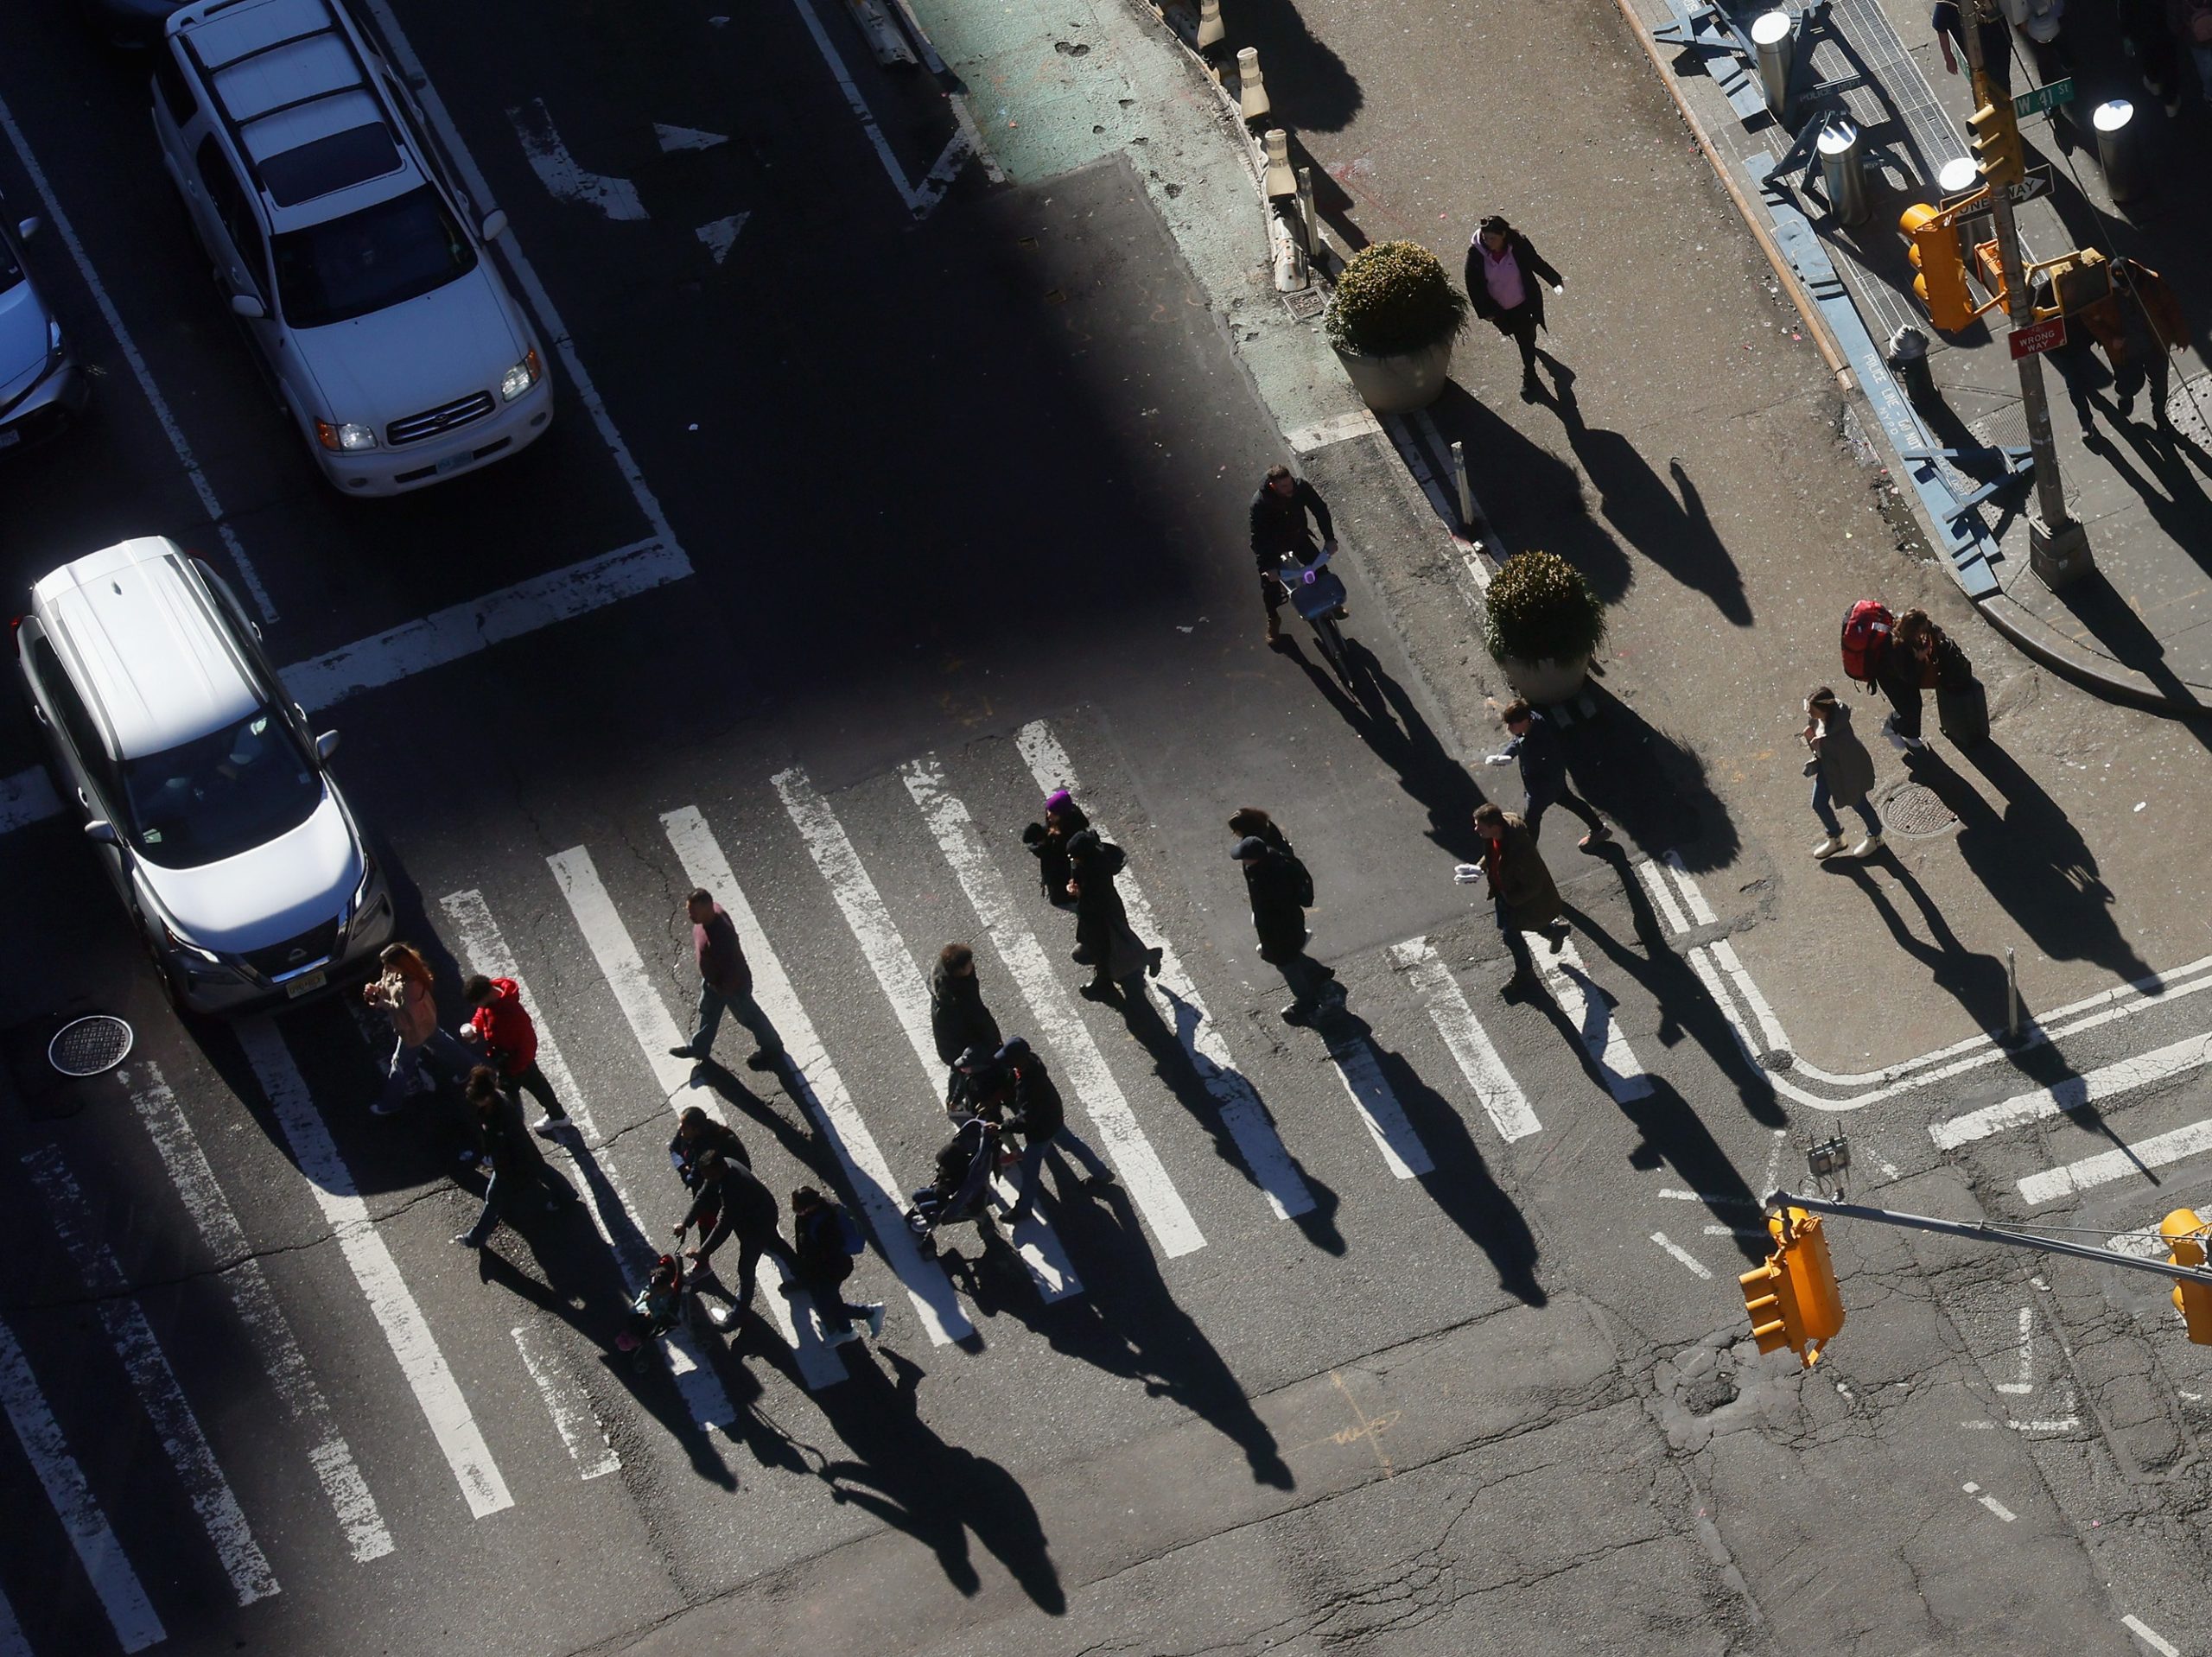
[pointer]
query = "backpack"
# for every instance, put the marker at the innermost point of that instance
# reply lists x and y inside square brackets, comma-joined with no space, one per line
[847,1232]
[1867,628]
[1302,878]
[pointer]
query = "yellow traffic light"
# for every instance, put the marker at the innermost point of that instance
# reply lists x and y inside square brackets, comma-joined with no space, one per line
[1996,141]
[2185,1235]
[1793,1299]
[1941,283]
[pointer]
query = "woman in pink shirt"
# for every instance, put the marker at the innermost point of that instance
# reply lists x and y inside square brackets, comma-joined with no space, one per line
[1506,278]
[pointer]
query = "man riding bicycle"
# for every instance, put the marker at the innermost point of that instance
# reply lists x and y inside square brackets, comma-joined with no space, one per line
[1279,531]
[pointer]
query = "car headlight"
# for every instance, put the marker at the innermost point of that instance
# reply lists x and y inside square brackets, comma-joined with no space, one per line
[348,436]
[520,378]
[177,943]
[361,890]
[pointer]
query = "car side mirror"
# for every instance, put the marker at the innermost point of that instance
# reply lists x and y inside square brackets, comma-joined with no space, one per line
[495,224]
[247,306]
[101,829]
[326,745]
[27,228]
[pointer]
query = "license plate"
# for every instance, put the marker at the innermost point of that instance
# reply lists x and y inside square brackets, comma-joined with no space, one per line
[453,463]
[305,982]
[9,439]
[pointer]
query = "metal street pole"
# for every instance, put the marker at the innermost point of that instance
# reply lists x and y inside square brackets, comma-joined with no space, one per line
[2058,548]
[1982,1231]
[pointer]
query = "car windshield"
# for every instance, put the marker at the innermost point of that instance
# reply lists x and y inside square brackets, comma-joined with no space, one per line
[380,256]
[239,787]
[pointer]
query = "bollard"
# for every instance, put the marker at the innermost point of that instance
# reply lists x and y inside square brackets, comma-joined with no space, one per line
[1279,181]
[1251,91]
[2119,149]
[2012,995]
[1466,489]
[1843,169]
[1307,229]
[1908,359]
[1211,32]
[1771,35]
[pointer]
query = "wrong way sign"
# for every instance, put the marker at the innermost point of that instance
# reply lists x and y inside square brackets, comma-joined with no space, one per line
[2040,336]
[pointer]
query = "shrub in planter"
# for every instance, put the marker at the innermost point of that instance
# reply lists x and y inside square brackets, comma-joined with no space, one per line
[1393,299]
[1540,608]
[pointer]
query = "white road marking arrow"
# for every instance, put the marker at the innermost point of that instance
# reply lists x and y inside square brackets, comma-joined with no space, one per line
[673,138]
[720,236]
[557,170]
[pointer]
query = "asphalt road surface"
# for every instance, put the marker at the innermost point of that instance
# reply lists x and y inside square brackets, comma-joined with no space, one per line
[878,503]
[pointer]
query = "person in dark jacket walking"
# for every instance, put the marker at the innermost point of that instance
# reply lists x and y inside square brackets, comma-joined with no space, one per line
[959,1018]
[1250,819]
[1048,843]
[1842,772]
[730,1201]
[697,1135]
[1544,773]
[1278,514]
[1520,889]
[1103,939]
[1918,655]
[824,1263]
[1277,890]
[520,1172]
[1505,279]
[1015,1085]
[501,1029]
[725,985]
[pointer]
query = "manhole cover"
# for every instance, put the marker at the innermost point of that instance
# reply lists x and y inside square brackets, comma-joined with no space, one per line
[2185,410]
[1915,809]
[88,1046]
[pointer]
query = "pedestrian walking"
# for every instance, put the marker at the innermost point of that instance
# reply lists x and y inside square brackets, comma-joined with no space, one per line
[1842,772]
[1505,278]
[501,1029]
[1279,889]
[1536,743]
[405,990]
[1279,510]
[1521,888]
[725,985]
[1103,939]
[520,1173]
[959,1018]
[732,1202]
[824,1243]
[1918,655]
[696,1135]
[1947,23]
[1250,819]
[1019,1088]
[1048,843]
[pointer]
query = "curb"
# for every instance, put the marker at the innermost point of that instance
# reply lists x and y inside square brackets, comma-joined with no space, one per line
[2036,638]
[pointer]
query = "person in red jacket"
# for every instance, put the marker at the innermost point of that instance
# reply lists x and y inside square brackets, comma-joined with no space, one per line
[502,1029]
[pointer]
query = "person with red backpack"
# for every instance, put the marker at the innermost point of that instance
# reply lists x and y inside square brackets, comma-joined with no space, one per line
[1873,656]
[500,1027]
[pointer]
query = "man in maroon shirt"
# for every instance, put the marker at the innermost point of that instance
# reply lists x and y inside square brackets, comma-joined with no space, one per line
[725,985]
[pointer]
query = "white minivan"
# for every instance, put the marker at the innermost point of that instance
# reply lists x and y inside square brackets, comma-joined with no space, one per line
[206,794]
[352,259]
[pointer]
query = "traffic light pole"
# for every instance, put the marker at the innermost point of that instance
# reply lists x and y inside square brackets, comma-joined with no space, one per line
[2058,548]
[1980,1231]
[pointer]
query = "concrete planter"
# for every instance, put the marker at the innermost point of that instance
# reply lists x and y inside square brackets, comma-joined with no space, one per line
[1399,384]
[1548,681]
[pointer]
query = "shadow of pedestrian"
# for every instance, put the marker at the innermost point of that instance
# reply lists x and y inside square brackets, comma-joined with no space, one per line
[1974,981]
[938,1493]
[1170,1063]
[1459,1181]
[727,1087]
[1649,786]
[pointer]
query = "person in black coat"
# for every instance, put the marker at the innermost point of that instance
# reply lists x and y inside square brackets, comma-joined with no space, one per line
[1506,278]
[731,1200]
[1104,941]
[959,1018]
[519,1169]
[1543,772]
[824,1263]
[1048,843]
[1038,1117]
[1278,513]
[1273,884]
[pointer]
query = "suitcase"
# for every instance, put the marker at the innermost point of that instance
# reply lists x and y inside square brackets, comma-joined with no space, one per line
[1963,712]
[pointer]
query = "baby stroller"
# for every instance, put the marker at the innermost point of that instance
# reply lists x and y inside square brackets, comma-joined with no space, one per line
[962,1189]
[659,1308]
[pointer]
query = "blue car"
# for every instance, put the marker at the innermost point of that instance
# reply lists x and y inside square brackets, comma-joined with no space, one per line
[41,390]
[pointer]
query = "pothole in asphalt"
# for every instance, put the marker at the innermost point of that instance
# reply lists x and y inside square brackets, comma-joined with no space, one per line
[1915,809]
[1708,1393]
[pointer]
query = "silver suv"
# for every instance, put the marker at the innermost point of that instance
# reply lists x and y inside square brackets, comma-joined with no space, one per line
[206,794]
[351,259]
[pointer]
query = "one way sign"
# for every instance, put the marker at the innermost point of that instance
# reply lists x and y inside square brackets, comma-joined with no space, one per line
[2034,182]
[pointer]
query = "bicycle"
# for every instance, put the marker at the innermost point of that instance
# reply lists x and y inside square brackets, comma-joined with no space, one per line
[1317,594]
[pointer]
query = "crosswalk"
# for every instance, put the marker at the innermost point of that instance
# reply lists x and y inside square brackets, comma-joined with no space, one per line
[828,895]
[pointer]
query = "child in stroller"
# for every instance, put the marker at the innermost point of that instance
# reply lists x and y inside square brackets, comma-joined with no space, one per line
[658,1308]
[961,1190]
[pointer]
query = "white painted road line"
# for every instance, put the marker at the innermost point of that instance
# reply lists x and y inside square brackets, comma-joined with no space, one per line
[143,374]
[921,200]
[2142,1631]
[121,1594]
[1662,895]
[1337,428]
[2106,1166]
[1361,1072]
[2027,1382]
[820,1088]
[160,1394]
[1438,991]
[1709,1199]
[1681,1255]
[1724,955]
[900,979]
[568,1405]
[1990,1502]
[484,948]
[558,171]
[1233,1095]
[1692,893]
[266,1326]
[2074,1092]
[405,1329]
[649,1020]
[1066,1034]
[1586,1008]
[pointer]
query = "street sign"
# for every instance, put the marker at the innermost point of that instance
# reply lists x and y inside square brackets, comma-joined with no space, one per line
[2041,336]
[2045,98]
[2034,182]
